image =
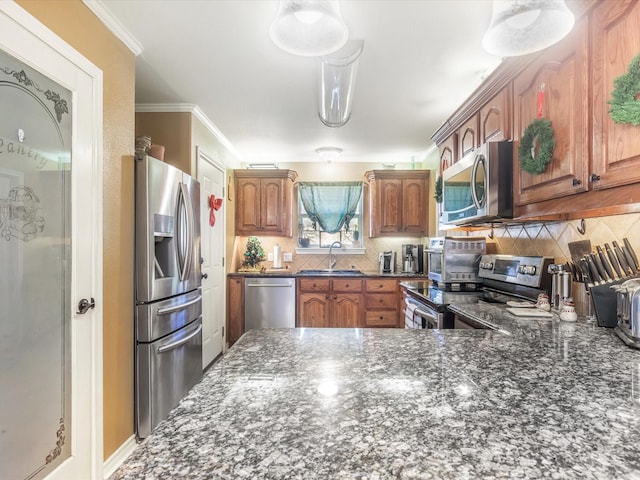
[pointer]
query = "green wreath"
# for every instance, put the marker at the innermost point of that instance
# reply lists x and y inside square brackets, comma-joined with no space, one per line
[625,101]
[536,146]
[438,189]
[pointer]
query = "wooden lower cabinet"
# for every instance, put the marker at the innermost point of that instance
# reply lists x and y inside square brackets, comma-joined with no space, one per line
[235,308]
[382,302]
[326,302]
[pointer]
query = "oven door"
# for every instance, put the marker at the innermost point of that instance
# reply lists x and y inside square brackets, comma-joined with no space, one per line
[427,318]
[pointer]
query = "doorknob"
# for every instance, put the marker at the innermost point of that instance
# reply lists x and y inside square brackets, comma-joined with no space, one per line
[85,305]
[204,275]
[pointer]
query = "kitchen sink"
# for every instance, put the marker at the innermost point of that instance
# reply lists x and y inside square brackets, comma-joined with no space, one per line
[330,272]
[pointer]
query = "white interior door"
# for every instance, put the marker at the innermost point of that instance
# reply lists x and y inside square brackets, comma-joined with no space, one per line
[51,254]
[211,177]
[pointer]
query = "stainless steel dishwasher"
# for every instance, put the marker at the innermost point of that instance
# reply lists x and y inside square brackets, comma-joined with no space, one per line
[269,302]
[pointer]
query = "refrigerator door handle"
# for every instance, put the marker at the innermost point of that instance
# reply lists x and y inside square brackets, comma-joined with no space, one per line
[176,308]
[182,341]
[185,232]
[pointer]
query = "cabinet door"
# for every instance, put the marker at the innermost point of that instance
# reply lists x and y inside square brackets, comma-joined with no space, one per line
[616,40]
[346,310]
[562,73]
[415,192]
[448,152]
[235,309]
[313,310]
[386,216]
[469,136]
[272,198]
[247,206]
[495,117]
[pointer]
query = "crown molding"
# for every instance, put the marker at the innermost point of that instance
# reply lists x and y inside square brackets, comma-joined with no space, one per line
[114,25]
[196,112]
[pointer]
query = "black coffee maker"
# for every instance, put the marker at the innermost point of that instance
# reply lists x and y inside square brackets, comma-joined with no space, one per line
[412,258]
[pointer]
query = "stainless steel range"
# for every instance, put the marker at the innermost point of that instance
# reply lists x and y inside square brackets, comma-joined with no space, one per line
[505,277]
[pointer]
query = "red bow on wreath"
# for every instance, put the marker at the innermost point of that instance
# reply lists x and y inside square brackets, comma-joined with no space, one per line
[214,204]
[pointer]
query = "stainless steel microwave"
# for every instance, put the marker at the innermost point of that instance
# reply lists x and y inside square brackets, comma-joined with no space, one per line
[479,187]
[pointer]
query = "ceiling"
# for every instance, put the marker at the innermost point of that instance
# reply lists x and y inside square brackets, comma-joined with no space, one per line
[421,60]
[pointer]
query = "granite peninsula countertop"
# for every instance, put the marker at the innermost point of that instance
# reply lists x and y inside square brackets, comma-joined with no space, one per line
[548,399]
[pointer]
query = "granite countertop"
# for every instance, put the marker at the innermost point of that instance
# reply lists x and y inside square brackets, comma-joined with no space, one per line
[537,399]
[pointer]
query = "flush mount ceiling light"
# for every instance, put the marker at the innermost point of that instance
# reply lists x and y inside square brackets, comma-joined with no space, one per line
[309,28]
[519,27]
[329,154]
[337,75]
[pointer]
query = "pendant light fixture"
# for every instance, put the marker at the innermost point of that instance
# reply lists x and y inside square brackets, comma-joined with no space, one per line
[309,28]
[520,27]
[337,76]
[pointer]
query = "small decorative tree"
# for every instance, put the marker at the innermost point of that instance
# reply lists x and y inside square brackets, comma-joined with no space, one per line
[254,253]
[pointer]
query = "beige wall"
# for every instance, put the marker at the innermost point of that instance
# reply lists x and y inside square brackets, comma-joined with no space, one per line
[78,26]
[173,131]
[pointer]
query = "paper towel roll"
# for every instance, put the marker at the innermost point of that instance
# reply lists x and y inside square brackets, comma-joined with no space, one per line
[276,257]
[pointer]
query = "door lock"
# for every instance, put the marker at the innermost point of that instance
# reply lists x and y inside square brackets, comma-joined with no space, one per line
[85,305]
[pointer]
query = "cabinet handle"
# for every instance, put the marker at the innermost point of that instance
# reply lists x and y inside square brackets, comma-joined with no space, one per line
[347,285]
[335,297]
[575,182]
[594,177]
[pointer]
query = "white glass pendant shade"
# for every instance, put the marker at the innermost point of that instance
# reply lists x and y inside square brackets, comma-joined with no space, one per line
[337,76]
[520,27]
[309,28]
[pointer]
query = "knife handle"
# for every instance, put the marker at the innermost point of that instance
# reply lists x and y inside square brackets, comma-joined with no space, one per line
[613,260]
[605,262]
[632,254]
[621,258]
[595,276]
[599,267]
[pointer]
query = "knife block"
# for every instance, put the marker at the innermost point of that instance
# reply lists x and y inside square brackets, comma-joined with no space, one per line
[605,300]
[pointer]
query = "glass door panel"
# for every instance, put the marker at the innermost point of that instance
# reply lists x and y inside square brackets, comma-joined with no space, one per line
[35,254]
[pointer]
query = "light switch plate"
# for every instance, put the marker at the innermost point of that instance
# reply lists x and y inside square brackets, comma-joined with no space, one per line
[288,257]
[270,256]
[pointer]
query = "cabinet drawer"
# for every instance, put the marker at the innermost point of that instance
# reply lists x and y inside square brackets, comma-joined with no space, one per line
[385,318]
[381,285]
[313,284]
[347,285]
[380,300]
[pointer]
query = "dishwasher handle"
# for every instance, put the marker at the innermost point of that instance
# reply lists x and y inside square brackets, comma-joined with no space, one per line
[270,285]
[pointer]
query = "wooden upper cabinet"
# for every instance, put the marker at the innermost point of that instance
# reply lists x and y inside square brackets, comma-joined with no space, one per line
[616,41]
[562,73]
[398,202]
[495,117]
[469,136]
[448,152]
[264,202]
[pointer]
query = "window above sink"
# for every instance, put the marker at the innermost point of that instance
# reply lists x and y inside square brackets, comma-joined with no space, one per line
[332,205]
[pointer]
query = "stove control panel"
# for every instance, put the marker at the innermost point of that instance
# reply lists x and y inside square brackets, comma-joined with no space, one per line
[527,271]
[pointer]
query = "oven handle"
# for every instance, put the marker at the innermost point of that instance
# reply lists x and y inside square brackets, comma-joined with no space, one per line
[182,341]
[424,314]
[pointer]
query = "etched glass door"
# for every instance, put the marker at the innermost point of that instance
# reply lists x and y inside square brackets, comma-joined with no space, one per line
[35,272]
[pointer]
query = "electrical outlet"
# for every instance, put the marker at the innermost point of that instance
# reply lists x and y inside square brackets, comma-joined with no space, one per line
[270,257]
[288,257]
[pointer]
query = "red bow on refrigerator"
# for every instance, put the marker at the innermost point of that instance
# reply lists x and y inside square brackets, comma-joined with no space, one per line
[214,204]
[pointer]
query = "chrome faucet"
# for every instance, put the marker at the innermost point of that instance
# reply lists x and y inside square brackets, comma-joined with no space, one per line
[332,261]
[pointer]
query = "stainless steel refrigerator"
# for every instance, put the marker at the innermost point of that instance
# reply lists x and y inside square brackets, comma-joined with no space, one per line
[168,300]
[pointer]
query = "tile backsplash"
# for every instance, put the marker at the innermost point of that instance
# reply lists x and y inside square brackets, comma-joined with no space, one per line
[545,239]
[368,262]
[551,239]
